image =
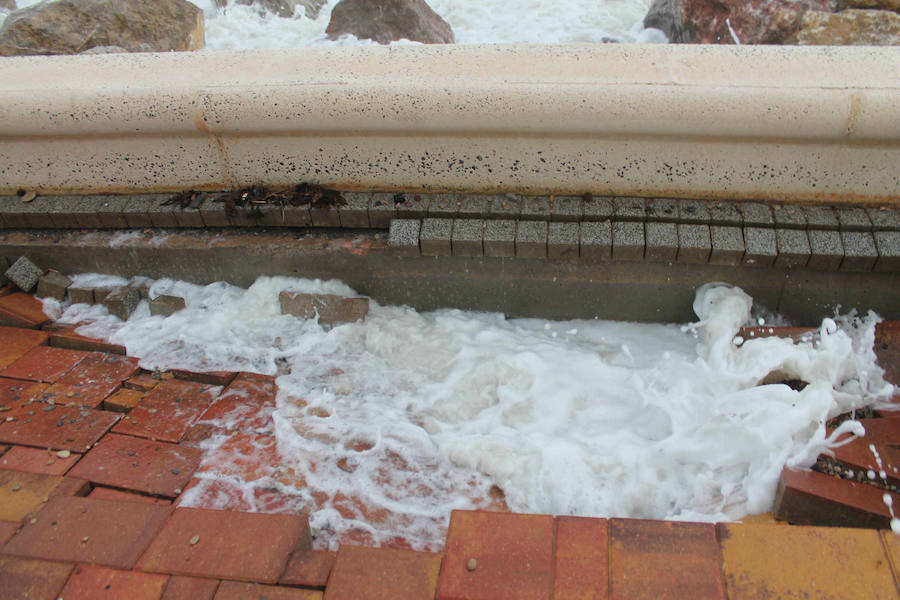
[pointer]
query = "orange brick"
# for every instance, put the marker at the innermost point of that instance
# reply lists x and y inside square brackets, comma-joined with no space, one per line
[794,333]
[22,310]
[25,579]
[769,561]
[247,404]
[44,364]
[7,529]
[123,400]
[513,555]
[190,588]
[36,460]
[16,342]
[384,573]
[15,393]
[142,382]
[168,411]
[22,493]
[222,378]
[309,568]
[232,590]
[581,559]
[664,559]
[892,549]
[93,379]
[56,427]
[89,582]
[105,493]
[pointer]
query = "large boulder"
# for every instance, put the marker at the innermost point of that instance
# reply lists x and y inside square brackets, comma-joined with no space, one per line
[282,8]
[386,21]
[72,26]
[850,28]
[713,21]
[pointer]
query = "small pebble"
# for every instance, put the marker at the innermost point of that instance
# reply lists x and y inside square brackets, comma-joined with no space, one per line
[472,564]
[175,471]
[84,539]
[194,540]
[64,454]
[177,491]
[16,488]
[151,410]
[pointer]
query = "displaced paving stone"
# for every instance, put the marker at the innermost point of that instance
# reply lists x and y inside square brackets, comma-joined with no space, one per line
[15,342]
[664,559]
[596,241]
[167,305]
[93,379]
[53,284]
[190,588]
[694,243]
[662,242]
[724,213]
[26,579]
[465,239]
[44,364]
[62,428]
[89,582]
[859,456]
[15,393]
[793,248]
[597,208]
[310,568]
[403,237]
[381,211]
[131,463]
[228,544]
[232,590]
[628,209]
[330,309]
[500,238]
[499,207]
[22,493]
[434,240]
[760,246]
[627,240]
[166,413]
[826,250]
[825,562]
[531,239]
[413,206]
[663,210]
[567,208]
[727,245]
[789,217]
[581,558]
[562,240]
[535,209]
[79,295]
[860,253]
[513,554]
[693,211]
[385,574]
[22,310]
[888,245]
[820,218]
[123,400]
[209,377]
[853,218]
[24,274]
[38,460]
[104,493]
[143,382]
[122,301]
[65,336]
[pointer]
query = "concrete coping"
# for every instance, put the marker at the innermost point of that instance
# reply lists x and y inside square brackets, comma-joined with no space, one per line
[772,123]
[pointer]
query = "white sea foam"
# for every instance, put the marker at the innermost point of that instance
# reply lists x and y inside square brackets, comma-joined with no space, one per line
[583,417]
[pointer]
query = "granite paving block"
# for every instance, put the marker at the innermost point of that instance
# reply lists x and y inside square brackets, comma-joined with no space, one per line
[502,207]
[693,211]
[789,217]
[884,218]
[535,208]
[793,248]
[443,206]
[213,211]
[328,309]
[11,212]
[326,214]
[662,241]
[53,284]
[581,558]
[385,574]
[135,211]
[122,301]
[826,250]
[404,237]
[434,239]
[166,305]
[531,239]
[189,215]
[626,208]
[57,427]
[760,246]
[413,206]
[853,218]
[662,209]
[38,214]
[596,241]
[694,243]
[381,210]
[820,217]
[24,274]
[727,245]
[888,245]
[860,253]
[566,208]
[756,214]
[724,213]
[499,238]
[269,214]
[296,212]
[354,212]
[81,295]
[466,237]
[90,582]
[28,579]
[597,208]
[627,240]
[161,215]
[562,240]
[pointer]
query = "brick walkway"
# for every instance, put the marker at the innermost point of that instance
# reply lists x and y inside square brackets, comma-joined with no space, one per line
[96,454]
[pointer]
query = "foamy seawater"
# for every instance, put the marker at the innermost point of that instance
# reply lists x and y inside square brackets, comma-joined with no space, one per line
[473,22]
[418,414]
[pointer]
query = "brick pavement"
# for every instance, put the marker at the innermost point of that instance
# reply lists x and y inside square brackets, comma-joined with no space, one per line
[91,479]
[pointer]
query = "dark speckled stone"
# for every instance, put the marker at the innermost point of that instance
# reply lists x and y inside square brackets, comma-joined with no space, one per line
[531,239]
[500,238]
[596,241]
[628,240]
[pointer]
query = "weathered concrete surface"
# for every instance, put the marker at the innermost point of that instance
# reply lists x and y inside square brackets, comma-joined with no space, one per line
[643,291]
[773,123]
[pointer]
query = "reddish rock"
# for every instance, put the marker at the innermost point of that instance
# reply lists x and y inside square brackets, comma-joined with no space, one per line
[389,20]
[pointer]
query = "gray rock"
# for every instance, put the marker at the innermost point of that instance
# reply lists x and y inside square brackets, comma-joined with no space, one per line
[81,295]
[531,239]
[381,211]
[404,237]
[727,245]
[562,240]
[860,253]
[121,301]
[662,242]
[888,244]
[53,285]
[826,250]
[596,241]
[665,15]
[535,209]
[386,21]
[500,238]
[694,243]
[628,209]
[760,246]
[434,240]
[597,208]
[627,240]
[330,309]
[24,273]
[167,305]
[466,237]
[567,208]
[793,248]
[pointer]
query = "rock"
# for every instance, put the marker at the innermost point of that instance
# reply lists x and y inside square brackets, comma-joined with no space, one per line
[753,21]
[81,295]
[122,301]
[8,4]
[878,4]
[53,285]
[24,273]
[330,309]
[389,20]
[72,26]
[852,27]
[166,305]
[282,8]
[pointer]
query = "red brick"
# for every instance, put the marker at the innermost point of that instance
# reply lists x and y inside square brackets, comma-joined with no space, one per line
[309,568]
[142,382]
[222,378]
[247,404]
[64,336]
[131,463]
[72,487]
[22,310]
[795,333]
[16,342]
[123,400]
[169,410]
[93,379]
[36,460]
[581,559]
[813,498]
[24,579]
[887,348]
[89,582]
[105,493]
[44,363]
[385,574]
[92,531]
[513,554]
[664,559]
[881,432]
[7,529]
[15,392]
[860,457]
[199,433]
[190,588]
[61,428]
[6,290]
[243,546]
[232,590]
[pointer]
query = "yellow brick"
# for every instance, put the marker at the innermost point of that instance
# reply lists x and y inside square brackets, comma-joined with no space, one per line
[21,493]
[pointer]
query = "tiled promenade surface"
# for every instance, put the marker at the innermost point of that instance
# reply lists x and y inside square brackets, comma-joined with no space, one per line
[96,454]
